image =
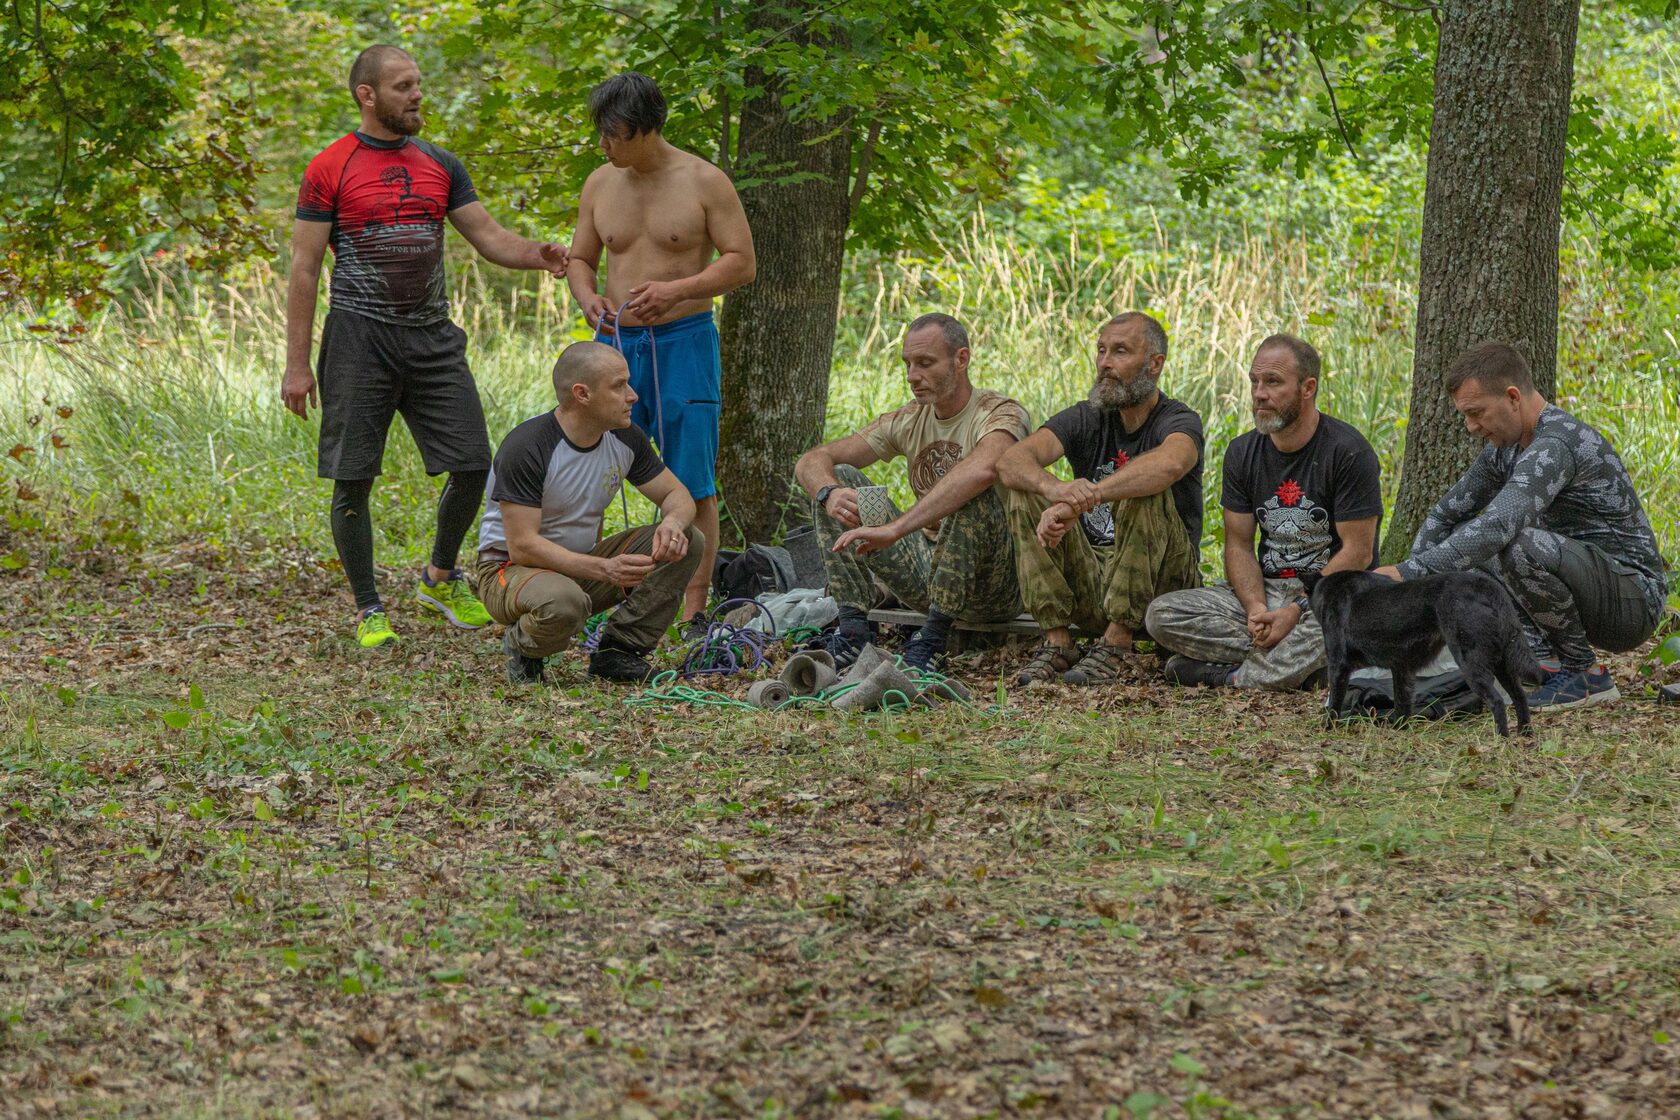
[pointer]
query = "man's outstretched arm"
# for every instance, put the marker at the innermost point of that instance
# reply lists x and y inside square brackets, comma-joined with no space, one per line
[499,245]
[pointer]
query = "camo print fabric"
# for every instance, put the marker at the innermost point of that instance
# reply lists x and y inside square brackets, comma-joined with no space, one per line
[968,574]
[1077,583]
[1568,481]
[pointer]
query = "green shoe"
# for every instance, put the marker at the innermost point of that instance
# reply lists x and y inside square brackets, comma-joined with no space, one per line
[374,629]
[453,599]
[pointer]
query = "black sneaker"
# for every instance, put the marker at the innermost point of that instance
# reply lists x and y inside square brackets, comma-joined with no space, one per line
[520,669]
[840,646]
[1188,671]
[619,665]
[926,654]
[699,624]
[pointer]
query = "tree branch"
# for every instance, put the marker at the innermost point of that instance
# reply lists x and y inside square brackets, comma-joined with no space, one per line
[861,183]
[1331,90]
[724,162]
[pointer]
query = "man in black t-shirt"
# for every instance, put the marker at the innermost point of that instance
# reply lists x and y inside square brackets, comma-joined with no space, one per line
[1312,486]
[1095,551]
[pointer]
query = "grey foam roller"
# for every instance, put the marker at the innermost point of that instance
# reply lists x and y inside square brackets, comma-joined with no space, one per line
[804,675]
[884,678]
[767,694]
[868,657]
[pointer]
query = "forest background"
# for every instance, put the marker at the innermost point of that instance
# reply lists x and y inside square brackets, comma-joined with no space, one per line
[1029,211]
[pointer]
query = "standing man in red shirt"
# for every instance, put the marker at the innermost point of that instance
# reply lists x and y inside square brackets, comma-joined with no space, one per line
[676,237]
[379,197]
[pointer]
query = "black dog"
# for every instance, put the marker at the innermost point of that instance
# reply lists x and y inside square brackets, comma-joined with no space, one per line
[1370,620]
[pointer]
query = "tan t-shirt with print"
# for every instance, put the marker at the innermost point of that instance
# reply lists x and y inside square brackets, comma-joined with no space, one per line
[933,446]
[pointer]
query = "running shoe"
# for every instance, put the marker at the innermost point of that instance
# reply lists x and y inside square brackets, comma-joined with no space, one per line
[454,599]
[373,629]
[1564,689]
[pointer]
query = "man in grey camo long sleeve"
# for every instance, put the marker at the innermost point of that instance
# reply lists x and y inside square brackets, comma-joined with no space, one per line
[1549,508]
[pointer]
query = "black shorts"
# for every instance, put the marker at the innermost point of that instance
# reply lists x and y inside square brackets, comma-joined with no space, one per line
[369,370]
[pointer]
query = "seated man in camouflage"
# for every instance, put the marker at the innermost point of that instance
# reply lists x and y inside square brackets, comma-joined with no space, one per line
[949,553]
[1136,499]
[1548,508]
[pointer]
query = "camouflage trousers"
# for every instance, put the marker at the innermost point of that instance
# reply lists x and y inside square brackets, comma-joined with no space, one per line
[968,574]
[1209,624]
[1079,584]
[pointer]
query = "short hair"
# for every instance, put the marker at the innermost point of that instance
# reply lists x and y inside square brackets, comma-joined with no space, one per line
[1495,366]
[627,104]
[1301,351]
[370,64]
[581,363]
[1153,333]
[956,335]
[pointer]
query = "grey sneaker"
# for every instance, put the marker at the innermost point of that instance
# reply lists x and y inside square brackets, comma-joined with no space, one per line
[520,669]
[1100,665]
[1047,665]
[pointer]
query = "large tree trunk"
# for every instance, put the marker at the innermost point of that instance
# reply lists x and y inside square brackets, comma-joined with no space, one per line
[1489,257]
[778,331]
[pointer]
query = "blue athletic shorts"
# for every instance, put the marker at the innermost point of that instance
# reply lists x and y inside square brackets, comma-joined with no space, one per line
[680,410]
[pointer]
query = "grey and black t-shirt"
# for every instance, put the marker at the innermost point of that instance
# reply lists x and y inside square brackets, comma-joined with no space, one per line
[1568,481]
[1097,444]
[538,466]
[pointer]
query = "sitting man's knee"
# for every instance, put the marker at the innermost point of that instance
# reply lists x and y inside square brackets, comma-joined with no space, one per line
[849,475]
[1527,552]
[561,608]
[696,539]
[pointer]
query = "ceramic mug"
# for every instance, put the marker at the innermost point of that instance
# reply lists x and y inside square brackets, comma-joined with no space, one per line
[874,505]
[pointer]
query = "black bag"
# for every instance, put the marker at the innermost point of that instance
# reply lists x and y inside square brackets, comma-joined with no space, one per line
[759,569]
[1445,695]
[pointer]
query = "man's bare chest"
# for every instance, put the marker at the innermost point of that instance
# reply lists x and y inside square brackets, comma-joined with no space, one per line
[667,221]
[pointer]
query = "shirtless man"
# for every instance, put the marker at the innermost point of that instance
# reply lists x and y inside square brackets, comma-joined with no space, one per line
[661,213]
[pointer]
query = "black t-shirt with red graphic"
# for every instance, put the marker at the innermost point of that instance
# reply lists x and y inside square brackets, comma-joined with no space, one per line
[1097,444]
[1297,499]
[386,200]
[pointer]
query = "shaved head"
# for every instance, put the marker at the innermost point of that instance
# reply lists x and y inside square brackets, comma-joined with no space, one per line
[587,364]
[370,64]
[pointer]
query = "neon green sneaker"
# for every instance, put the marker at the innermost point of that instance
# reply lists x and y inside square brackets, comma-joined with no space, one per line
[453,599]
[374,629]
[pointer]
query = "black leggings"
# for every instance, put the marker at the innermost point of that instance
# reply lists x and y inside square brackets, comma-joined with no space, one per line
[352,529]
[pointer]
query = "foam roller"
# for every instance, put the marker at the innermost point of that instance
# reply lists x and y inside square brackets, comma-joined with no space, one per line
[884,678]
[767,694]
[805,675]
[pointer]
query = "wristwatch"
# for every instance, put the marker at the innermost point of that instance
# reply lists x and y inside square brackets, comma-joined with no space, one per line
[822,495]
[1303,604]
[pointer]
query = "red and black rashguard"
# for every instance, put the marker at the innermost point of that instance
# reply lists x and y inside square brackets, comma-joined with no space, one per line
[386,200]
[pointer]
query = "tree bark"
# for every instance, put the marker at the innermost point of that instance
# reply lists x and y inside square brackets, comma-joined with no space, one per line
[1491,211]
[778,332]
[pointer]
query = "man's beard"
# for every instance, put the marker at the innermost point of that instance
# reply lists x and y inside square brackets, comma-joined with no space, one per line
[398,119]
[1272,422]
[1111,395]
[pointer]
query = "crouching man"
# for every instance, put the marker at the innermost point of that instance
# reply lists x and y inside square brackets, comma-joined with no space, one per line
[1097,550]
[949,553]
[1549,508]
[1312,487]
[542,567]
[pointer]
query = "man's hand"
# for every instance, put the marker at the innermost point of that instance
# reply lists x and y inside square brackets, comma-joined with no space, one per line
[297,390]
[869,538]
[555,258]
[842,505]
[1391,572]
[1268,628]
[1080,495]
[627,569]
[1054,523]
[669,542]
[652,298]
[598,313]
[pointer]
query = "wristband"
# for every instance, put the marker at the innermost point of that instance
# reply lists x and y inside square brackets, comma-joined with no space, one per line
[1303,604]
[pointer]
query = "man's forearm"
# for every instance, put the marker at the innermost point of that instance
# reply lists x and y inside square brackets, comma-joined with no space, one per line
[1347,559]
[301,293]
[678,508]
[721,277]
[1139,479]
[1019,472]
[962,485]
[540,552]
[814,470]
[510,250]
[1242,572]
[583,279]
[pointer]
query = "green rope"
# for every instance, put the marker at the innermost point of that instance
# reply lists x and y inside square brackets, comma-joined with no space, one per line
[665,689]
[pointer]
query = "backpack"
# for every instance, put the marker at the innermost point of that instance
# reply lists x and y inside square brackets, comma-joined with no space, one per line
[757,569]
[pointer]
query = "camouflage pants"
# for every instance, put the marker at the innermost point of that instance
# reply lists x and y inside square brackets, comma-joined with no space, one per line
[1078,584]
[1209,624]
[969,574]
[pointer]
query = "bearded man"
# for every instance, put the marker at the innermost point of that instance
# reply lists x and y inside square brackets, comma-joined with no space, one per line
[1136,500]
[1312,486]
[379,197]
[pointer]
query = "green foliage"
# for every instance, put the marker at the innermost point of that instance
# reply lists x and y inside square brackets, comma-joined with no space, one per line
[92,165]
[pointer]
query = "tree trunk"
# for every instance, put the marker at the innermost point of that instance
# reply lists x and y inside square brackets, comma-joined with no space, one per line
[778,332]
[1491,210]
